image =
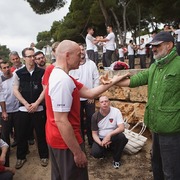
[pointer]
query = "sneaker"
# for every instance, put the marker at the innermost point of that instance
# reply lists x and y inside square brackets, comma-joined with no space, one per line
[20,163]
[116,164]
[44,162]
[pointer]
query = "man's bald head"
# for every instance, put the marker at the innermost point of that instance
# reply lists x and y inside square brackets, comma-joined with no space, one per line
[68,53]
[66,46]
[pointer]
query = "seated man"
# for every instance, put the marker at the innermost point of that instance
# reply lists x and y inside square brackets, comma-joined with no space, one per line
[107,128]
[6,173]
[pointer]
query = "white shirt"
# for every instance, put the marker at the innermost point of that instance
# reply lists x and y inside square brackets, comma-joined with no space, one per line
[110,122]
[89,42]
[110,44]
[87,74]
[61,87]
[142,49]
[121,52]
[95,48]
[12,103]
[130,50]
[178,34]
[1,91]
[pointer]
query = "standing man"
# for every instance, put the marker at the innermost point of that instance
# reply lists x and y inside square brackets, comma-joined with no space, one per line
[40,59]
[162,115]
[110,45]
[15,60]
[90,42]
[150,48]
[87,74]
[12,105]
[142,54]
[29,91]
[177,33]
[63,134]
[107,128]
[16,64]
[131,56]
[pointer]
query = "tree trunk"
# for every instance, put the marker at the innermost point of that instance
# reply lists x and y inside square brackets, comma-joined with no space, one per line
[124,23]
[118,26]
[104,11]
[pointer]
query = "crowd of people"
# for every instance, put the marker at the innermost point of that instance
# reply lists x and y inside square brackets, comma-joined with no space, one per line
[113,51]
[55,106]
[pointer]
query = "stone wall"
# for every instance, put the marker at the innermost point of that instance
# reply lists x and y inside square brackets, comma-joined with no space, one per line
[131,101]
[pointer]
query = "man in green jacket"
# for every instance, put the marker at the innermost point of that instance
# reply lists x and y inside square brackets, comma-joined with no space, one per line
[162,115]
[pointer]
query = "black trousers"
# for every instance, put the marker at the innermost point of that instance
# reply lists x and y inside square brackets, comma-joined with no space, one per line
[118,143]
[142,61]
[96,58]
[6,131]
[6,175]
[131,61]
[38,120]
[103,60]
[108,57]
[151,56]
[87,110]
[91,55]
[63,166]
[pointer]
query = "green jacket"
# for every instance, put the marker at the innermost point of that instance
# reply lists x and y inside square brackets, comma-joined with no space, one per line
[162,114]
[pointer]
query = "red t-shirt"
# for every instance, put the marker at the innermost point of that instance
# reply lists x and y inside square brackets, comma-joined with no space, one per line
[12,69]
[53,136]
[47,73]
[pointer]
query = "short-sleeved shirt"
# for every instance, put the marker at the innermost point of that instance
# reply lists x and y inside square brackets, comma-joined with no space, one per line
[89,42]
[121,52]
[178,34]
[142,50]
[62,95]
[110,44]
[106,124]
[130,50]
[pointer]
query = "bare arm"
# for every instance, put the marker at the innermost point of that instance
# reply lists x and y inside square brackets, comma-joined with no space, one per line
[4,113]
[35,105]
[3,154]
[96,137]
[67,133]
[94,92]
[107,139]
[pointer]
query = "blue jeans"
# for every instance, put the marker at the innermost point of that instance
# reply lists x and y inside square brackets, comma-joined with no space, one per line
[166,156]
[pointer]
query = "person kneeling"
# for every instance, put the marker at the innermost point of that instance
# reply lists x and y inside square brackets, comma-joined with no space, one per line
[107,131]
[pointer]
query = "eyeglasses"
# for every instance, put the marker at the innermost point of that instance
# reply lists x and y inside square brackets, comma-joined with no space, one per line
[40,58]
[30,56]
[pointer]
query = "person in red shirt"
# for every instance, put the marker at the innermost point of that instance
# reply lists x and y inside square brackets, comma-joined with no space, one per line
[5,172]
[63,134]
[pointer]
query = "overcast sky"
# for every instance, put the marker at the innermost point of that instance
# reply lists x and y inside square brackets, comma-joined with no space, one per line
[19,24]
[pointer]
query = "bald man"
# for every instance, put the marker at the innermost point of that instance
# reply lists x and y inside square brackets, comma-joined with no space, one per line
[68,160]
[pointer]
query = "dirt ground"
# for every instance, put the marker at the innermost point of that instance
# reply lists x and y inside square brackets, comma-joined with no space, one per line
[134,167]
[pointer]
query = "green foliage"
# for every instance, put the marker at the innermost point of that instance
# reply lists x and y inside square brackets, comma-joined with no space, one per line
[45,6]
[4,52]
[43,39]
[141,16]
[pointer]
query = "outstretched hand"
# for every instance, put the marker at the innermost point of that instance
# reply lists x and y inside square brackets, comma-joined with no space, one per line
[104,79]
